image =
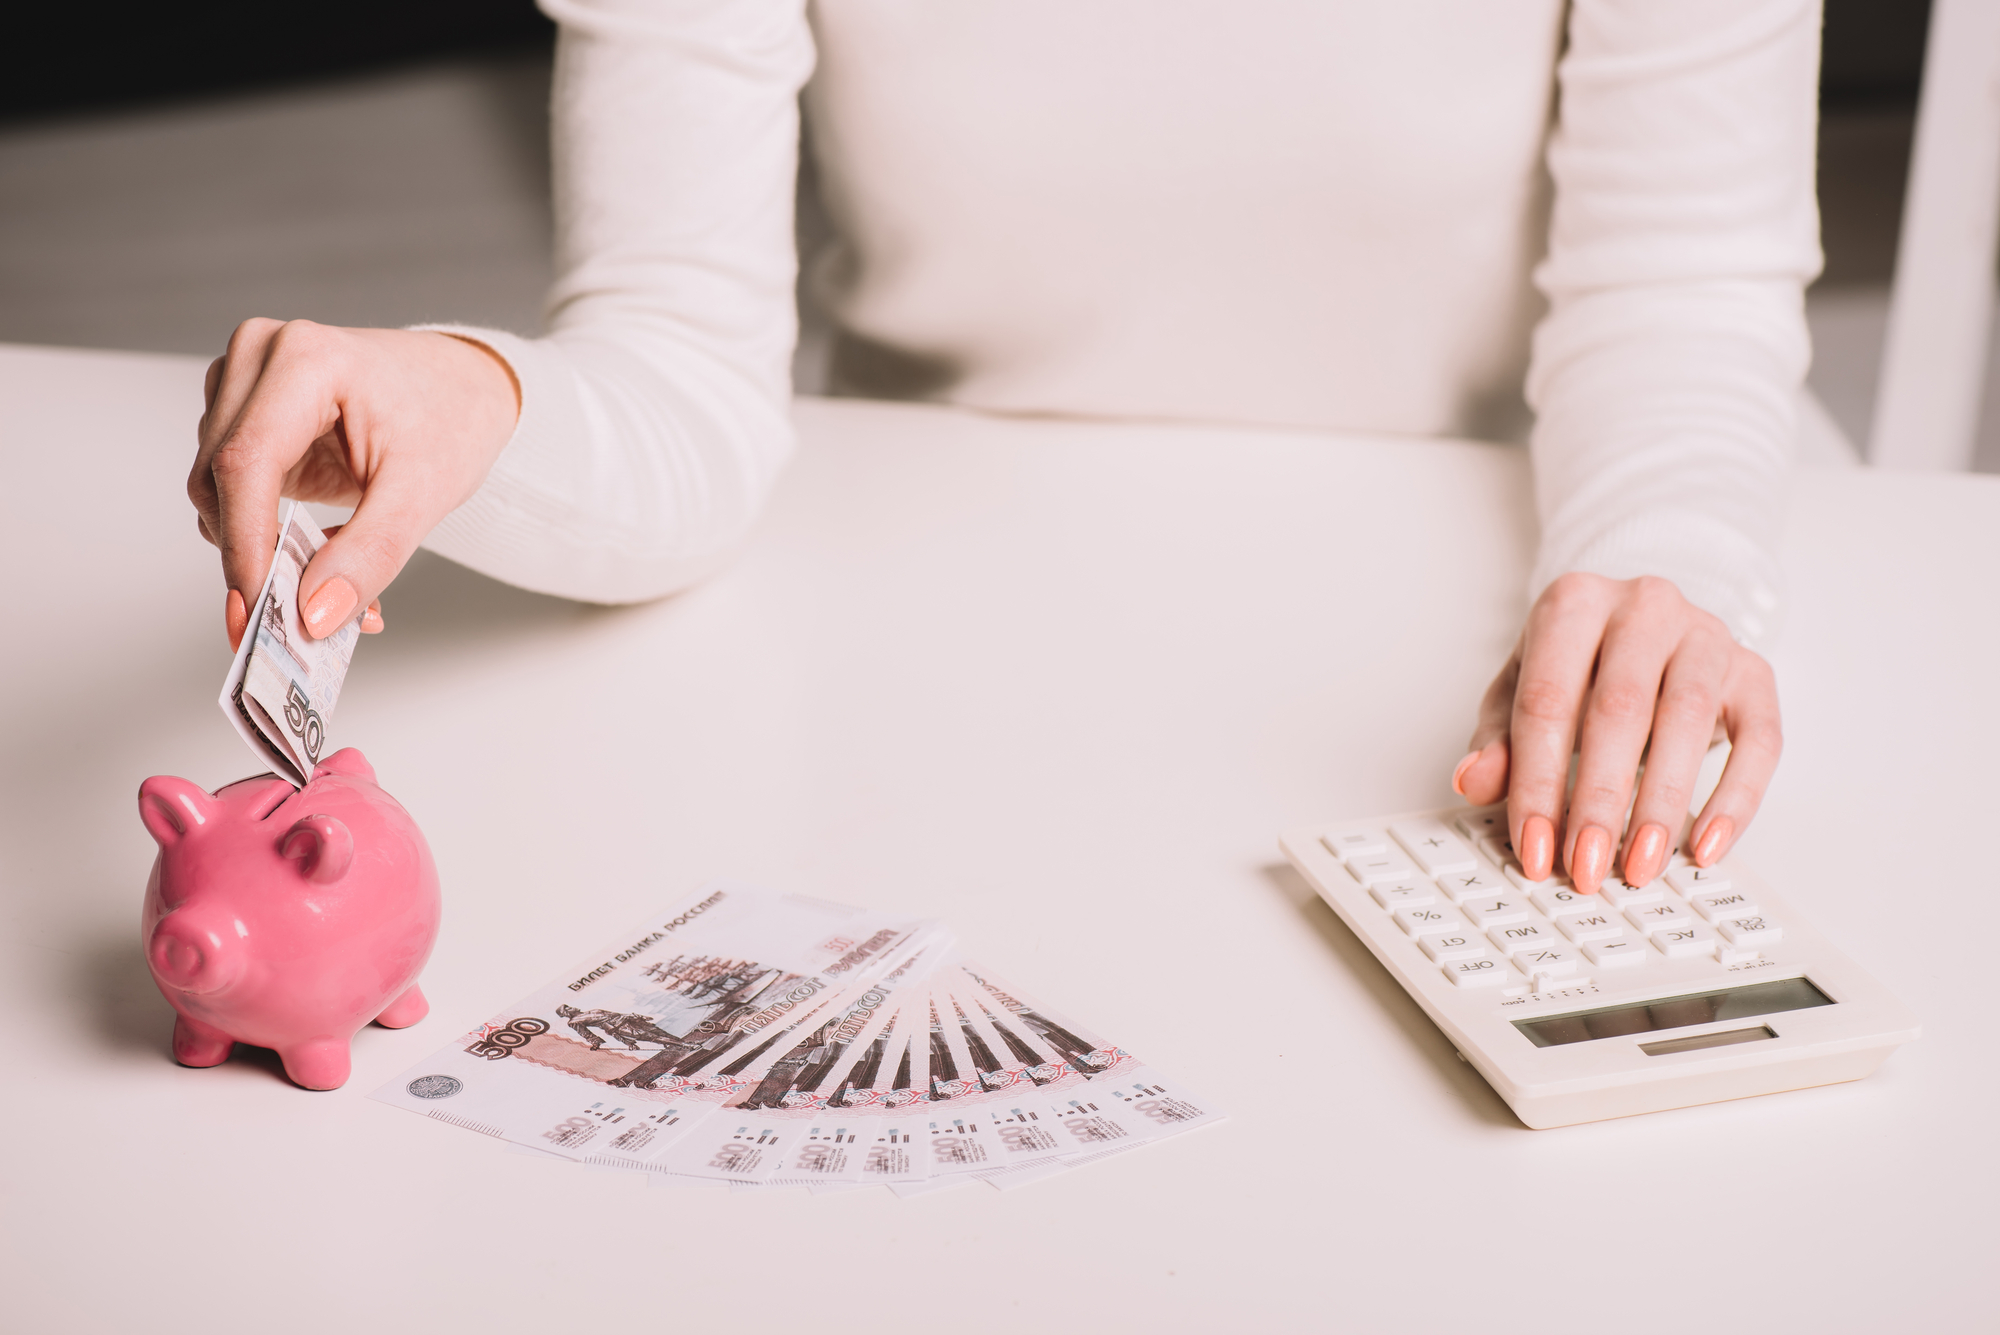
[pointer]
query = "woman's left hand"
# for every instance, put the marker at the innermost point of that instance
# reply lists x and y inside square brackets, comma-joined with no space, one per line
[1619,671]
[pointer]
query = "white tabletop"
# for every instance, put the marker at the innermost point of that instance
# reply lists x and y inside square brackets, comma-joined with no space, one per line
[1060,685]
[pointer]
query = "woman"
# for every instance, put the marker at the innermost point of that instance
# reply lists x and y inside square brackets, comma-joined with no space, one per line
[1309,212]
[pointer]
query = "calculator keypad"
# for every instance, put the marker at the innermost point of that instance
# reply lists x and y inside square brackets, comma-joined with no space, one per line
[1461,895]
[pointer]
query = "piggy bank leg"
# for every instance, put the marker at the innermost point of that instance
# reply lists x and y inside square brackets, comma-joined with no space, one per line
[317,1063]
[198,1044]
[405,1010]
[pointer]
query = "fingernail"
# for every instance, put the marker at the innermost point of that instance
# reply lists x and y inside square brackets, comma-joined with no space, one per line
[234,619]
[328,609]
[1645,853]
[1713,840]
[371,620]
[1458,775]
[1590,859]
[1538,847]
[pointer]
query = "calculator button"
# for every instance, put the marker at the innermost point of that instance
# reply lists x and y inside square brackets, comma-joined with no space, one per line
[1369,868]
[1556,900]
[1694,880]
[1477,824]
[1453,946]
[1548,961]
[1715,905]
[1424,921]
[1435,848]
[1403,894]
[1581,927]
[1683,940]
[1650,918]
[1523,936]
[1478,973]
[1459,885]
[1490,909]
[1520,878]
[1620,895]
[1754,930]
[1617,953]
[1351,843]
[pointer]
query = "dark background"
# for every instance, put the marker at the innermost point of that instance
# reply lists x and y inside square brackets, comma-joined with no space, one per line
[73,55]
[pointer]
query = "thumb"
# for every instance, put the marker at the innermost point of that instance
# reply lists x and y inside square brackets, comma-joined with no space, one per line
[1481,777]
[362,556]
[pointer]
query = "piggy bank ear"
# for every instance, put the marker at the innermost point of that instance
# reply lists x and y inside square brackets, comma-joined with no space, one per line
[172,807]
[323,847]
[347,761]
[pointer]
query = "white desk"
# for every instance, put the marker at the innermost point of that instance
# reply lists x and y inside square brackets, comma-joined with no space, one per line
[1060,685]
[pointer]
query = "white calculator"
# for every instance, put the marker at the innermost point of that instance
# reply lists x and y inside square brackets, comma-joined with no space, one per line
[1698,987]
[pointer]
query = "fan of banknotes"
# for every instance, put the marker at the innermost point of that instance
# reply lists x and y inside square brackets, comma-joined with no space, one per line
[769,1041]
[283,684]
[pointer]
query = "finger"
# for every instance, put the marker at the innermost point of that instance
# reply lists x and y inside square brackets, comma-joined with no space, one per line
[1639,639]
[226,388]
[1683,727]
[369,551]
[1756,739]
[371,620]
[1481,777]
[1558,655]
[289,407]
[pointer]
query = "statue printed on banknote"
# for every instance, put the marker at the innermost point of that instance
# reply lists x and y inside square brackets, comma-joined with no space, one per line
[631,1030]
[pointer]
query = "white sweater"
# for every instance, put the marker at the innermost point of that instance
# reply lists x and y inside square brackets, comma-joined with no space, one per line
[1323,213]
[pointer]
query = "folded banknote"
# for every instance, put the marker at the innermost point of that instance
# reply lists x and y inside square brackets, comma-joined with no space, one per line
[283,684]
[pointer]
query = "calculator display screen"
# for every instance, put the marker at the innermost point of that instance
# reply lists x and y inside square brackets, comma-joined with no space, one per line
[1735,1003]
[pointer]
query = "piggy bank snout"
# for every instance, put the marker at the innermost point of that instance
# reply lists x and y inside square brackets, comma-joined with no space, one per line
[190,957]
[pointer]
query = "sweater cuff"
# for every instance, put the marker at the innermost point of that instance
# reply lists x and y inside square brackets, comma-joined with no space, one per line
[508,526]
[1714,566]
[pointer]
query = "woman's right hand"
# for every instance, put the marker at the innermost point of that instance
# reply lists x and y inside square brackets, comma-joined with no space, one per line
[403,426]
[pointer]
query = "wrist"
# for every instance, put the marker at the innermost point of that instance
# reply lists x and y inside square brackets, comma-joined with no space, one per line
[491,359]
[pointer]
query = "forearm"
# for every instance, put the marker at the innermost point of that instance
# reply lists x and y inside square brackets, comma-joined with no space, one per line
[1666,373]
[1664,441]
[655,414]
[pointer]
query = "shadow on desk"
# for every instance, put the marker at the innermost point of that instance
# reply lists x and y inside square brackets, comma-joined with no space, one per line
[124,1012]
[1394,1002]
[438,606]
[114,996]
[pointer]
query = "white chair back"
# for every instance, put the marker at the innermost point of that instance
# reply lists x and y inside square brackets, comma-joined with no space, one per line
[1941,308]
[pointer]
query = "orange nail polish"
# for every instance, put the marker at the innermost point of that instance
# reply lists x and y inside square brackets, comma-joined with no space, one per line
[1713,841]
[234,619]
[328,609]
[371,620]
[1590,859]
[1458,775]
[1646,852]
[1538,847]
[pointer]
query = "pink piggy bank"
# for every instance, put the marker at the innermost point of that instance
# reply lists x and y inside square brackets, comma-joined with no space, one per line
[287,918]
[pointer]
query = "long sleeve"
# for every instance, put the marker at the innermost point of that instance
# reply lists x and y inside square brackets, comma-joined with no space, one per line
[655,413]
[1666,373]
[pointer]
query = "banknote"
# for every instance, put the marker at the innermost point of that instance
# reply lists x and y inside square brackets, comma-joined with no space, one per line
[805,1116]
[282,684]
[769,1041]
[703,1004]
